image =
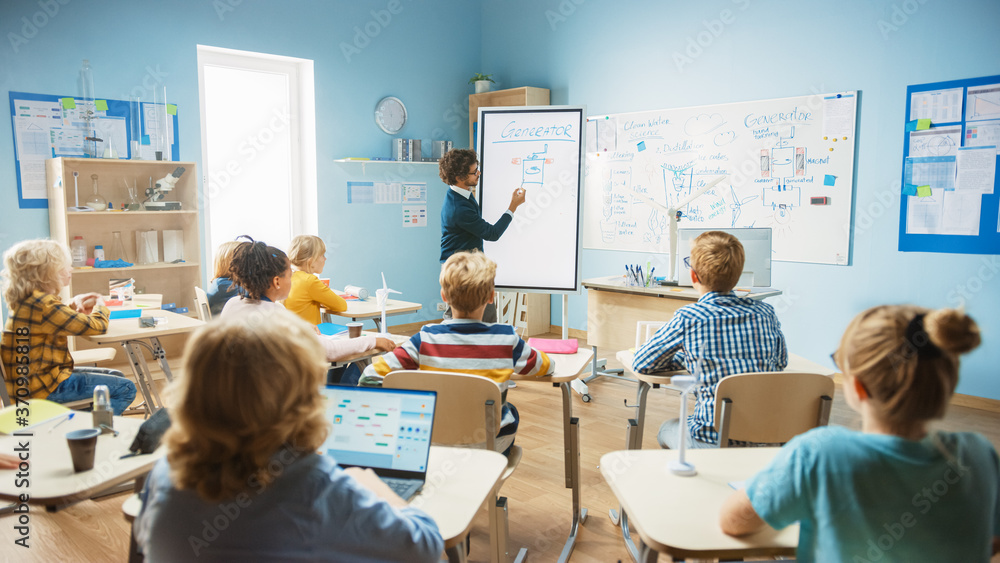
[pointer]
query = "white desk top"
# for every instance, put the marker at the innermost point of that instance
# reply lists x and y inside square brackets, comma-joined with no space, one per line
[567,366]
[52,479]
[680,515]
[128,329]
[398,339]
[369,309]
[617,283]
[796,363]
[458,481]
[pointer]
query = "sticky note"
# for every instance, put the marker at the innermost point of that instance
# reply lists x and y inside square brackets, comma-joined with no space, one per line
[923,191]
[829,180]
[909,189]
[68,103]
[923,124]
[911,125]
[642,146]
[171,109]
[145,139]
[101,105]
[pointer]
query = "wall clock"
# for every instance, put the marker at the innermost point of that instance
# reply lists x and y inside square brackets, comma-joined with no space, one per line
[390,114]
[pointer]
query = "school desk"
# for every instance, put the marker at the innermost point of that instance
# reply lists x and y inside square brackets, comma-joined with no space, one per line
[678,515]
[635,427]
[567,369]
[363,309]
[365,356]
[53,482]
[133,338]
[613,309]
[459,480]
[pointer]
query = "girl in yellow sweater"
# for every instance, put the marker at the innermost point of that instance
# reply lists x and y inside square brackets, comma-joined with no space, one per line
[307,254]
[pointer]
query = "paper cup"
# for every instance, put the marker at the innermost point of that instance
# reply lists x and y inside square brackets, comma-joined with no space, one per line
[82,446]
[354,329]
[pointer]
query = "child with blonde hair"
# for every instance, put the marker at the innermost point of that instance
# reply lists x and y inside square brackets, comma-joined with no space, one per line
[221,288]
[308,256]
[465,343]
[248,420]
[897,490]
[35,272]
[721,333]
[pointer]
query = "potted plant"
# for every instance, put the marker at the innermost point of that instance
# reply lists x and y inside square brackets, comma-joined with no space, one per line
[482,82]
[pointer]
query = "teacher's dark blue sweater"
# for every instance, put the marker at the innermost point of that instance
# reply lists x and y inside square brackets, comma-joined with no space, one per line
[463,227]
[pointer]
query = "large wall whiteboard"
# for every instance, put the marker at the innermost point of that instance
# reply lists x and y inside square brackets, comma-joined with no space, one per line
[538,148]
[777,155]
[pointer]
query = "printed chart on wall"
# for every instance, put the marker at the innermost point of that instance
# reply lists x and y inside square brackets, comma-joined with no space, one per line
[950,145]
[788,164]
[538,149]
[47,126]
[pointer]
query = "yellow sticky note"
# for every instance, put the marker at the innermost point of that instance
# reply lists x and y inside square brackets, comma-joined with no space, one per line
[923,124]
[68,103]
[923,191]
[171,109]
[101,105]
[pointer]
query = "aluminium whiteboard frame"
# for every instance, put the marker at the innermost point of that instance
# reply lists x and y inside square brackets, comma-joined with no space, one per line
[480,143]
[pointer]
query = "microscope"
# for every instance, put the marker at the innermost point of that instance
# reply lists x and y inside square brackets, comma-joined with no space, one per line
[156,193]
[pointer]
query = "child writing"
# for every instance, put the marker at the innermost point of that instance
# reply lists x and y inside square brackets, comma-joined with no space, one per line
[465,343]
[308,256]
[243,447]
[35,271]
[221,288]
[265,276]
[896,490]
[721,334]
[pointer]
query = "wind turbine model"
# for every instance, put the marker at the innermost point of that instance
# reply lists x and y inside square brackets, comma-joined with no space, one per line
[673,214]
[686,383]
[381,296]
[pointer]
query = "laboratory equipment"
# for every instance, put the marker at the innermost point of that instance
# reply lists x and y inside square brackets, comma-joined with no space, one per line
[96,202]
[163,186]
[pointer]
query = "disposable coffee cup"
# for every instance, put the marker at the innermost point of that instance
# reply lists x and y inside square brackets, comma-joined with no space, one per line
[354,329]
[82,445]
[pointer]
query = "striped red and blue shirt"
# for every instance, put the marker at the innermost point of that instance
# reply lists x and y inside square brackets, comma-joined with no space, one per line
[728,335]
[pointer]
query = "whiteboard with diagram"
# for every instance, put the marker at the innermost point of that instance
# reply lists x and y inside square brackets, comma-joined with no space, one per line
[788,164]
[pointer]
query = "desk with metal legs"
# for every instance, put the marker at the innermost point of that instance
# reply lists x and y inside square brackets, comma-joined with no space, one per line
[635,427]
[567,369]
[133,339]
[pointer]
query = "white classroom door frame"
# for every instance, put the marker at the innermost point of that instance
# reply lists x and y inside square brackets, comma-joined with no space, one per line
[302,123]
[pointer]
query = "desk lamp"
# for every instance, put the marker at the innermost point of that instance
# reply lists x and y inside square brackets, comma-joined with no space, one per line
[685,383]
[674,215]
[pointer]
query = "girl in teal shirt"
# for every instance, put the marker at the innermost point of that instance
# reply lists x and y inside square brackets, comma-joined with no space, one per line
[896,491]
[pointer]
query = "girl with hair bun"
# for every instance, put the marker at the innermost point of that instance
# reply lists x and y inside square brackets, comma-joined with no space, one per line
[897,490]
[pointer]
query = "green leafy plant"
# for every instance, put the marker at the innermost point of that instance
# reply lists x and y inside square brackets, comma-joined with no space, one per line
[480,76]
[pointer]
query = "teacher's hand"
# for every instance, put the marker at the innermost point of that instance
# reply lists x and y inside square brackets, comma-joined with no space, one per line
[516,199]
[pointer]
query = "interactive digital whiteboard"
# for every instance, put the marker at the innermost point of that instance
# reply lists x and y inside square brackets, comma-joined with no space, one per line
[788,165]
[539,149]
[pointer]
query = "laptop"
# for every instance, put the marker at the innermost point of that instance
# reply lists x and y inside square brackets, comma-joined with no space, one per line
[385,430]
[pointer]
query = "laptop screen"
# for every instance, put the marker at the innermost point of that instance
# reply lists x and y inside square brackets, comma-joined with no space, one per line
[388,429]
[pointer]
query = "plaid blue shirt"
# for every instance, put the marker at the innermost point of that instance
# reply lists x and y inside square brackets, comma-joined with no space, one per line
[729,334]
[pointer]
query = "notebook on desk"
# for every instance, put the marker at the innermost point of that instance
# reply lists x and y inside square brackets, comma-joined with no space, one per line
[385,430]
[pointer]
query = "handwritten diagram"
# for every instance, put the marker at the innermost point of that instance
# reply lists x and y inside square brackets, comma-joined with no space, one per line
[788,166]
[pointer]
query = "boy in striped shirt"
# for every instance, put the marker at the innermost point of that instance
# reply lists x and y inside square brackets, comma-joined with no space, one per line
[465,343]
[725,333]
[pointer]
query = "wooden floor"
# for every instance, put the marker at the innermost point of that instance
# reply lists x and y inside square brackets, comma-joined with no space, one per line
[539,505]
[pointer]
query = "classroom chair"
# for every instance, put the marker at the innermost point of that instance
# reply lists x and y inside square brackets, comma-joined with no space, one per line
[468,414]
[201,304]
[771,407]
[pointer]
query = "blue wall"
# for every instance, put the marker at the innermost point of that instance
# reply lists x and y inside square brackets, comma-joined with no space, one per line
[611,56]
[424,54]
[620,57]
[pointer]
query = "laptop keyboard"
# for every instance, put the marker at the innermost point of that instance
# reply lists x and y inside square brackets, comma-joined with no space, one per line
[405,488]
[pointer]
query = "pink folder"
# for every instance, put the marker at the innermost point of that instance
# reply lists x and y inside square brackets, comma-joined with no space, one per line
[554,345]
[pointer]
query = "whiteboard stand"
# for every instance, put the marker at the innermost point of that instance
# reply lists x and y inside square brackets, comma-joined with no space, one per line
[596,365]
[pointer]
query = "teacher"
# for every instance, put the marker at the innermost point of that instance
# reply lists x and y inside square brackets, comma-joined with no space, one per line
[462,223]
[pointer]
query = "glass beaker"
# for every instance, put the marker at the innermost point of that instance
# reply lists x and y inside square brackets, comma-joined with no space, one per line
[117,248]
[134,203]
[96,202]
